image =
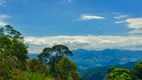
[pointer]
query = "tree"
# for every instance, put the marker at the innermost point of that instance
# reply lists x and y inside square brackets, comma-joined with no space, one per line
[12,44]
[75,75]
[20,50]
[1,31]
[5,70]
[54,54]
[5,46]
[12,33]
[36,66]
[66,69]
[118,74]
[137,70]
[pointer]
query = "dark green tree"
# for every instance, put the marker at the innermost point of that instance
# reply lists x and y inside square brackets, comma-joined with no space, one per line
[54,54]
[34,65]
[65,68]
[137,70]
[12,44]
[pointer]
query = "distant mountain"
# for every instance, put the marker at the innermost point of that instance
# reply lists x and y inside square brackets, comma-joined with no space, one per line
[92,63]
[86,59]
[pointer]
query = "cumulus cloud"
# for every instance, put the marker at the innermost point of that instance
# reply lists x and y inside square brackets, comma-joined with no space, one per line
[3,18]
[36,44]
[121,16]
[90,17]
[2,2]
[135,24]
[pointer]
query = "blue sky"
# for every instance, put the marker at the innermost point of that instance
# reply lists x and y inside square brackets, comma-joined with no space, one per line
[75,19]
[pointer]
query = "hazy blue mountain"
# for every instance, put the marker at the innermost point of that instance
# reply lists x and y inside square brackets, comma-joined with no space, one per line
[86,59]
[92,63]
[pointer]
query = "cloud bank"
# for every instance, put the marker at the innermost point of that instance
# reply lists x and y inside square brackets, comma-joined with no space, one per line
[36,44]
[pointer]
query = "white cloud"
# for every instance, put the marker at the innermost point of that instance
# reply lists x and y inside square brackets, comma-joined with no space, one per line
[119,22]
[121,16]
[2,2]
[36,44]
[135,24]
[90,17]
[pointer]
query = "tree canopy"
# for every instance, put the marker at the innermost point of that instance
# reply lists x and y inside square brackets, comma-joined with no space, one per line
[52,63]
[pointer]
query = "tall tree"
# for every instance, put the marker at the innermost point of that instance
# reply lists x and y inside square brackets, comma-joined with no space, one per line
[66,69]
[137,70]
[54,54]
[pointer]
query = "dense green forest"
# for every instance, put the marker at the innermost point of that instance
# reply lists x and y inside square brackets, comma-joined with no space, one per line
[52,63]
[114,73]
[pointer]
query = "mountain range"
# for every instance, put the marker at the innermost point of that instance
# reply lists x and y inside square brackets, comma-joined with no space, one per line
[86,59]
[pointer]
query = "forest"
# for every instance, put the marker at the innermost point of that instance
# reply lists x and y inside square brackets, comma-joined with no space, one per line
[52,63]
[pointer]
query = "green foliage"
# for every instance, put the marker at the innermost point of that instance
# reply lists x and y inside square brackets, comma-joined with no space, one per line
[75,75]
[119,74]
[54,54]
[36,66]
[137,70]
[14,64]
[11,44]
[20,50]
[66,68]
[30,76]
[5,70]
[5,46]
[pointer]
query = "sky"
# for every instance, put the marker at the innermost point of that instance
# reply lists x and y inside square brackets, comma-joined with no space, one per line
[79,24]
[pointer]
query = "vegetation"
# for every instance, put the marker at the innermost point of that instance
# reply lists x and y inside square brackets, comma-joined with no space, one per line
[124,74]
[52,63]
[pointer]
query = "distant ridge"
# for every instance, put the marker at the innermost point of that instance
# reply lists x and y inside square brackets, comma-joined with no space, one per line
[86,59]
